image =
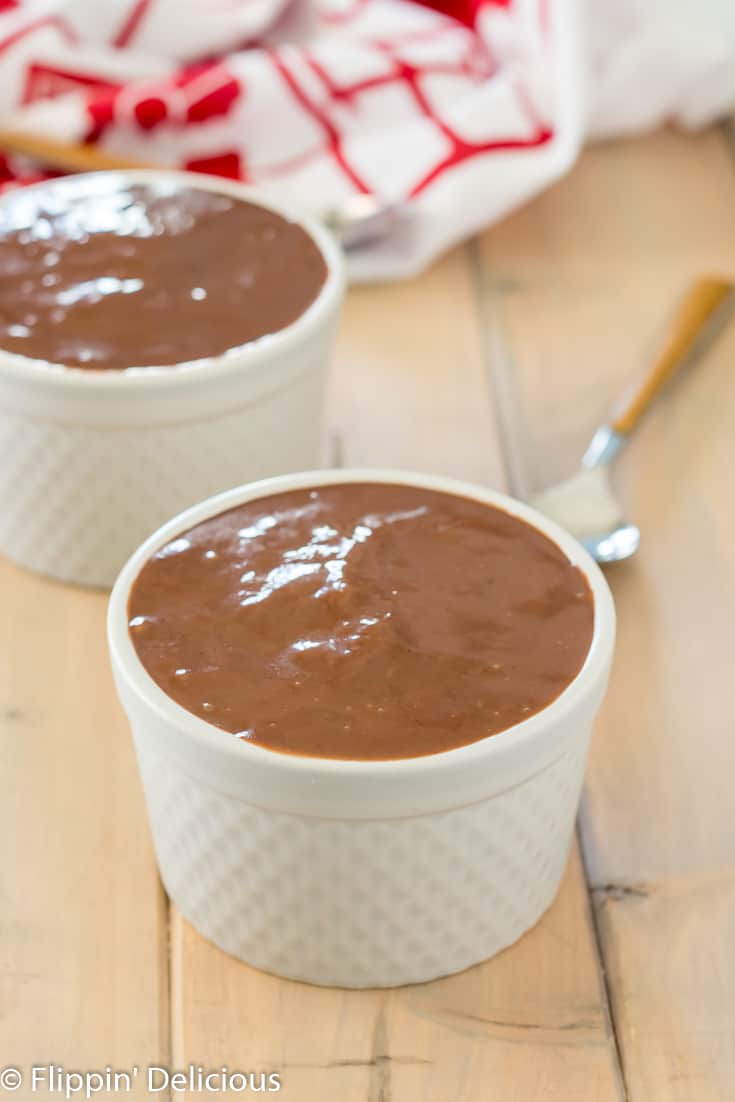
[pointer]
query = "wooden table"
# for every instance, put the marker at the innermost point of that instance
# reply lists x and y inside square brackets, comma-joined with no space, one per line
[493,366]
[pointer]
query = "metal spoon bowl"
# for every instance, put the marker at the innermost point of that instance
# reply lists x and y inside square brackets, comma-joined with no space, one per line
[614,546]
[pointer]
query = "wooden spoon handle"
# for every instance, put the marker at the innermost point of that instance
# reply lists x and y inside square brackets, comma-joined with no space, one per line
[67,156]
[691,316]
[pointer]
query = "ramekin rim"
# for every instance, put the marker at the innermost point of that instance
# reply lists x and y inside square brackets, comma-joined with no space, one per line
[241,358]
[513,741]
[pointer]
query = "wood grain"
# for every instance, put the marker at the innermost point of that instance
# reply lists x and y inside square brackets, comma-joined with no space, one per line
[410,390]
[529,1025]
[585,275]
[521,341]
[83,976]
[409,387]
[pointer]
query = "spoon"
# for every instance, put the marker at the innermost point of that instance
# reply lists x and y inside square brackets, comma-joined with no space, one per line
[584,504]
[357,221]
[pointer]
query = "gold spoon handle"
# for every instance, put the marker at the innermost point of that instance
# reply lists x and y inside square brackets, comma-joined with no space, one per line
[67,156]
[690,319]
[359,220]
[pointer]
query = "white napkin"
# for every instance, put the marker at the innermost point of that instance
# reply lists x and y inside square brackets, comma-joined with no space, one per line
[319,100]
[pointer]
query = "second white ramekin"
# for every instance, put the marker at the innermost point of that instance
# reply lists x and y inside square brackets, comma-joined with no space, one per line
[361,874]
[94,461]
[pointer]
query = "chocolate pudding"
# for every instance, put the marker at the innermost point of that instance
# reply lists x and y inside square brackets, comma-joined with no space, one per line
[362,621]
[104,273]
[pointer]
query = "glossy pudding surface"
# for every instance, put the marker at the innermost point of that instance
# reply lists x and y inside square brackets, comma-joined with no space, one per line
[362,621]
[102,273]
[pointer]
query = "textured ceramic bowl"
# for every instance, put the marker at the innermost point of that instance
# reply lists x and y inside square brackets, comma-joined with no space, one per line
[361,874]
[94,461]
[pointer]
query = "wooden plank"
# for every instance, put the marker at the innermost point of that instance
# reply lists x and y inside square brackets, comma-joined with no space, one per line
[528,1026]
[583,277]
[409,389]
[83,971]
[531,1025]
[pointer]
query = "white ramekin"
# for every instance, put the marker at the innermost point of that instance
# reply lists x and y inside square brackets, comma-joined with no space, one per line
[94,461]
[361,874]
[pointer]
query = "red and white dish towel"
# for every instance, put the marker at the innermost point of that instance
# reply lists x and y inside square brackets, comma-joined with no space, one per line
[460,108]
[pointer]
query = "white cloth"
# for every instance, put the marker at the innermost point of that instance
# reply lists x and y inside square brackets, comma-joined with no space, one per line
[316,100]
